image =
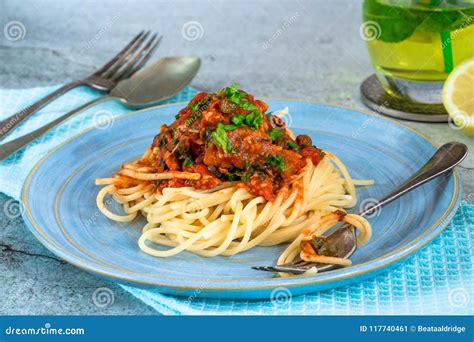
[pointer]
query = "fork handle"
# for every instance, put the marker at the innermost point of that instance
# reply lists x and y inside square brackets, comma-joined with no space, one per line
[445,158]
[14,120]
[14,145]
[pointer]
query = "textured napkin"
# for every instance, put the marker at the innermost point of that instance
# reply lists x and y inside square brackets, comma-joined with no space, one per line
[436,280]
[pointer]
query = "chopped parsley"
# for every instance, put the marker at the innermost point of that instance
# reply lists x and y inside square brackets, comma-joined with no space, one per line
[236,96]
[228,127]
[220,138]
[249,171]
[276,161]
[163,141]
[254,118]
[233,177]
[246,176]
[293,145]
[234,125]
[188,161]
[238,120]
[275,133]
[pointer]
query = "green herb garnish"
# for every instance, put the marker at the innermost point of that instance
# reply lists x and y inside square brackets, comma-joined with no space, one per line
[237,96]
[246,176]
[233,177]
[254,119]
[163,141]
[275,133]
[221,139]
[238,120]
[276,161]
[188,161]
[293,145]
[229,127]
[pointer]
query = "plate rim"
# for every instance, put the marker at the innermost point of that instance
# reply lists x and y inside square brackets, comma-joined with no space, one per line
[372,266]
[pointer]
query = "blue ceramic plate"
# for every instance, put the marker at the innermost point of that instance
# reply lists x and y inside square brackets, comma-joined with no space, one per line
[59,201]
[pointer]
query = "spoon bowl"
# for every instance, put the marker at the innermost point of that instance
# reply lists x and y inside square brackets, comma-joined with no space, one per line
[160,81]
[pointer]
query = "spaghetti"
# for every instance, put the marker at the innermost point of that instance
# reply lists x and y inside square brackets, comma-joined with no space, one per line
[214,190]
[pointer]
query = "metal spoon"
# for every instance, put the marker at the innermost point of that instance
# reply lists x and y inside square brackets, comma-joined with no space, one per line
[343,240]
[148,87]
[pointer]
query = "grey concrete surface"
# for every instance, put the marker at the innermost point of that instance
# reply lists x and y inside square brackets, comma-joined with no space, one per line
[309,50]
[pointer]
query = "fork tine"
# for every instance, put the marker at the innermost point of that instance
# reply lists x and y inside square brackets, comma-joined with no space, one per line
[285,269]
[139,60]
[118,55]
[145,58]
[297,263]
[297,267]
[125,57]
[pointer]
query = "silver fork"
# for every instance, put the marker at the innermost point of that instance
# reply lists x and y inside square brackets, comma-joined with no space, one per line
[343,240]
[121,66]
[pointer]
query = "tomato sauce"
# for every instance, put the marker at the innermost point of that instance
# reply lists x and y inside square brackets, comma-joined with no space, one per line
[229,136]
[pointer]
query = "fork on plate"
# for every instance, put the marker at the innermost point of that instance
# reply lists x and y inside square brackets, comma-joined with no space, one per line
[344,238]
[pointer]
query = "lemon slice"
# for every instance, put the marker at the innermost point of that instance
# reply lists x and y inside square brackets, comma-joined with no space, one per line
[458,97]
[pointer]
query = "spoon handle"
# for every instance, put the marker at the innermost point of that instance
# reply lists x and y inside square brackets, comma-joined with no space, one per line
[446,157]
[10,147]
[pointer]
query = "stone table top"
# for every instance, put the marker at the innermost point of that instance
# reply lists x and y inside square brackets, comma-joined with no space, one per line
[310,50]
